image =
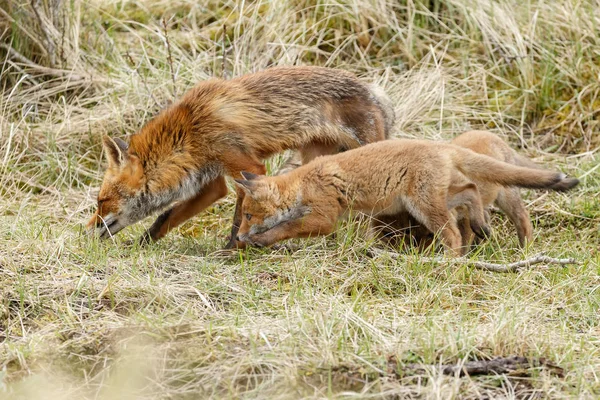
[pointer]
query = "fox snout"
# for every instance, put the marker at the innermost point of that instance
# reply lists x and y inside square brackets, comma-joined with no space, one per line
[243,237]
[104,227]
[252,240]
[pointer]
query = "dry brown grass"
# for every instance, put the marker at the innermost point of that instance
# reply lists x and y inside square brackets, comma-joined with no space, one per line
[87,319]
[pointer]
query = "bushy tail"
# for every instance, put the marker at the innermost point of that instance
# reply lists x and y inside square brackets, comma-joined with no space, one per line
[484,168]
[387,107]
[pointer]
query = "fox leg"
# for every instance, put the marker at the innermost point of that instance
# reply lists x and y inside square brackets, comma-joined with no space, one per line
[437,218]
[467,199]
[464,226]
[312,151]
[272,236]
[235,168]
[185,210]
[293,229]
[305,155]
[509,201]
[237,221]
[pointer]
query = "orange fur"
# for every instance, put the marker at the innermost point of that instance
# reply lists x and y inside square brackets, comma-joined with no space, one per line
[426,179]
[222,127]
[507,198]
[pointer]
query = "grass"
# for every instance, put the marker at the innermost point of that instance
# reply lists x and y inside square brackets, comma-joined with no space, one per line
[81,318]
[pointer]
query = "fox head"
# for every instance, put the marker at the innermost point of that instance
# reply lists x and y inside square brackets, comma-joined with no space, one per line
[119,197]
[266,206]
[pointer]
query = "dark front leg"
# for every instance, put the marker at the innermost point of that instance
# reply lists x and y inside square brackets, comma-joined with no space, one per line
[237,221]
[241,162]
[185,210]
[153,233]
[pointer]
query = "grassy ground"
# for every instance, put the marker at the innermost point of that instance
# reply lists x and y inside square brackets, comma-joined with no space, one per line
[81,318]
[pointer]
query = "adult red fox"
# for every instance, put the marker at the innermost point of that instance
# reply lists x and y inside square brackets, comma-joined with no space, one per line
[425,178]
[508,199]
[221,127]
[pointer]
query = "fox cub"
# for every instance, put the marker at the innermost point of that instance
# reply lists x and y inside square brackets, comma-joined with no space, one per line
[424,178]
[179,159]
[507,198]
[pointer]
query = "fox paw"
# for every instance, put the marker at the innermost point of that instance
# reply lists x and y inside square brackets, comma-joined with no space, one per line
[145,239]
[482,231]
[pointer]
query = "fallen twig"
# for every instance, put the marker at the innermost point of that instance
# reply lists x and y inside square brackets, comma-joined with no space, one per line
[495,366]
[513,365]
[512,267]
[18,57]
[540,258]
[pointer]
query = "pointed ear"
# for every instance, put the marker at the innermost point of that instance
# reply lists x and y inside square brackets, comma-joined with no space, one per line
[122,145]
[116,151]
[247,186]
[249,176]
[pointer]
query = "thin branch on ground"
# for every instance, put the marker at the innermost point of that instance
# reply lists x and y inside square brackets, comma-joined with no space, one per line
[538,259]
[495,366]
[513,366]
[19,58]
[494,267]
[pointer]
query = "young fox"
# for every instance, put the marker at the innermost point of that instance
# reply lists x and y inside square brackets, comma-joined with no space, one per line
[508,199]
[424,178]
[221,128]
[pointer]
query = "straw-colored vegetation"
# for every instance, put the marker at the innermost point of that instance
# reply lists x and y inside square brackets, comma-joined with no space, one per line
[81,318]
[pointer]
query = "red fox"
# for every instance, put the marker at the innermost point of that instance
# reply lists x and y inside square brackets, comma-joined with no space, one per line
[508,199]
[426,179]
[221,127]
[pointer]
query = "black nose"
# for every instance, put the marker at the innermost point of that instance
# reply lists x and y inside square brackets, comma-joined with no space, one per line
[237,237]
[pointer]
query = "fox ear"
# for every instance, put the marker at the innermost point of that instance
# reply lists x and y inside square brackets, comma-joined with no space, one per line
[249,176]
[116,151]
[247,186]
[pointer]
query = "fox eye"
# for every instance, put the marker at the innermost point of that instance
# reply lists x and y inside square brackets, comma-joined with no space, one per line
[101,201]
[248,217]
